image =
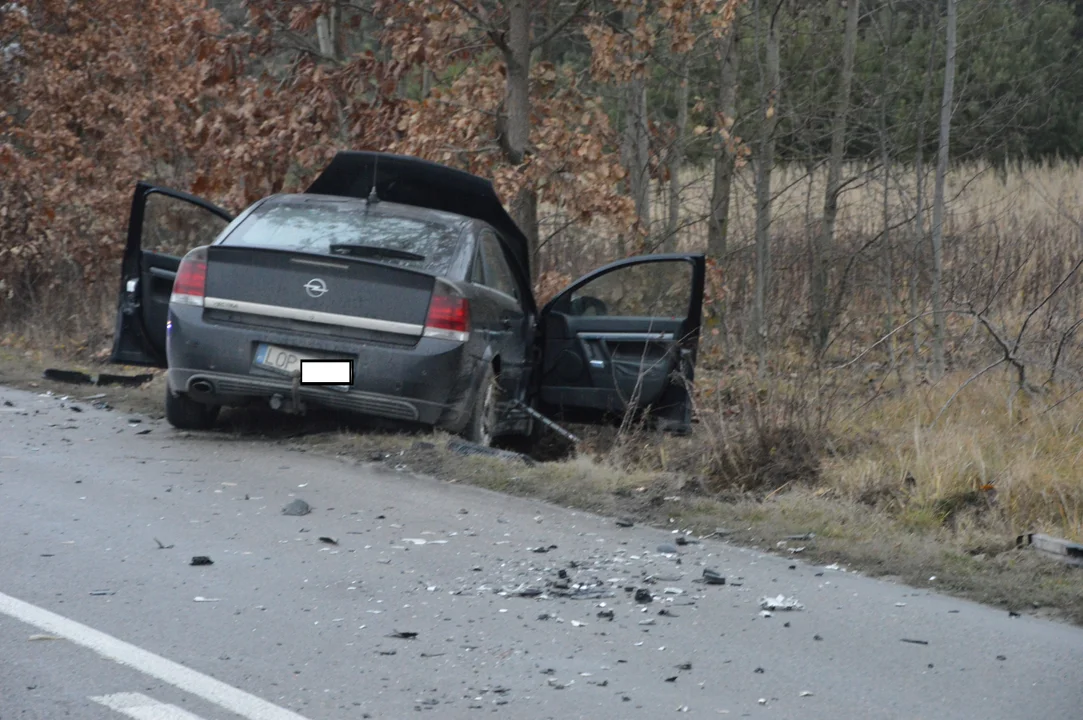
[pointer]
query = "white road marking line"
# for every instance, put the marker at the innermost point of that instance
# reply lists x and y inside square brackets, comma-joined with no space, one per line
[177,675]
[142,707]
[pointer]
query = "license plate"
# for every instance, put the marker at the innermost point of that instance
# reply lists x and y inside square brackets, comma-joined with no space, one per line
[287,361]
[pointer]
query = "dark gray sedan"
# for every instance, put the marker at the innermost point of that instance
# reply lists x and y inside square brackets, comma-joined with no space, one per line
[413,277]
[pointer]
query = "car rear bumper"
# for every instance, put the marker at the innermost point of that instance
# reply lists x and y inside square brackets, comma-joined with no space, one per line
[428,382]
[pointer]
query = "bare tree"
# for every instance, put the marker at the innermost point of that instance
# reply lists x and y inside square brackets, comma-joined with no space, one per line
[938,192]
[917,249]
[825,238]
[770,87]
[636,145]
[327,33]
[718,220]
[676,156]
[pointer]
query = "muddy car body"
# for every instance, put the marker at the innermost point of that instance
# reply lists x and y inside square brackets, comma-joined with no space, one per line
[413,273]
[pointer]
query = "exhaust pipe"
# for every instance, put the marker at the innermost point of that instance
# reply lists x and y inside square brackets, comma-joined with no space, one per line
[203,387]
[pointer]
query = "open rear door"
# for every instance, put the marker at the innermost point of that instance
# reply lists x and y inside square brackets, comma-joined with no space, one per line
[162,227]
[625,337]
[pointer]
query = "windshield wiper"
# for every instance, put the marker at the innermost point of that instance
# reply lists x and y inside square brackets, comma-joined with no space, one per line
[373,251]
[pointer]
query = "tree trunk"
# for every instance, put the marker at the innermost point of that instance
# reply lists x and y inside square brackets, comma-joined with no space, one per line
[918,249]
[769,98]
[718,219]
[888,275]
[822,320]
[938,193]
[637,142]
[327,34]
[676,158]
[517,128]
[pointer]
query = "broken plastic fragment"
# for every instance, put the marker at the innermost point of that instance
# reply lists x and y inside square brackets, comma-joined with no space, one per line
[781,603]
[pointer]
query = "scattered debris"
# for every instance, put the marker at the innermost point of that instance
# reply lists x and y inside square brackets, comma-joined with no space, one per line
[161,546]
[684,540]
[297,508]
[673,591]
[759,671]
[44,637]
[544,548]
[144,431]
[900,604]
[403,635]
[625,522]
[643,595]
[684,666]
[1013,614]
[328,540]
[806,693]
[578,623]
[671,679]
[712,577]
[667,549]
[200,598]
[103,592]
[817,637]
[429,655]
[558,685]
[915,642]
[606,615]
[802,536]
[201,560]
[387,652]
[762,701]
[781,603]
[664,612]
[462,447]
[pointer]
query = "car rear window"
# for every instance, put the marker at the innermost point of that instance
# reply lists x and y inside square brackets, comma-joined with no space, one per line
[312,227]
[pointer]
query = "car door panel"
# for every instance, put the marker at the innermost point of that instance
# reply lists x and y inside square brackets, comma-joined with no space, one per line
[162,226]
[642,356]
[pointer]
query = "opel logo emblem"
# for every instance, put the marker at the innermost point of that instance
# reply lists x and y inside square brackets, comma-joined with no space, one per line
[315,287]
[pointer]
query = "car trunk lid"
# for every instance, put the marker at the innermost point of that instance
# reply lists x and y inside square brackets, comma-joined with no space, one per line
[316,293]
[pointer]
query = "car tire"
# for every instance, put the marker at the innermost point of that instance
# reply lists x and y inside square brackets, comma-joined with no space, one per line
[184,413]
[484,415]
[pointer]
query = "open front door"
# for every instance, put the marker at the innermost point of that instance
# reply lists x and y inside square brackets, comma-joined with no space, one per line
[162,227]
[625,336]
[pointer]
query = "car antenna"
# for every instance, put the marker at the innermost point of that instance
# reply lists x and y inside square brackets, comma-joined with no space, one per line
[373,198]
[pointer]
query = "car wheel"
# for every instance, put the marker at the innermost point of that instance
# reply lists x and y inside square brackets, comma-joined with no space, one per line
[184,413]
[483,419]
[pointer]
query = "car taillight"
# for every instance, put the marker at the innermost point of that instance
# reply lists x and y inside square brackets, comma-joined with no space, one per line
[449,316]
[191,281]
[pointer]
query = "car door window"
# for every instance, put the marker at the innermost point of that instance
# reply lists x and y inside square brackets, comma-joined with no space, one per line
[173,226]
[657,289]
[498,275]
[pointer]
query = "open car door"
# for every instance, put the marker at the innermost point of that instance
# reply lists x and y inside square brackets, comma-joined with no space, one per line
[162,227]
[625,337]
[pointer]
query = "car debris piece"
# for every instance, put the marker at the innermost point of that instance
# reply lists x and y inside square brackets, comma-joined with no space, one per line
[684,540]
[297,507]
[780,602]
[806,693]
[161,546]
[462,447]
[403,635]
[914,642]
[73,377]
[103,592]
[328,540]
[1013,614]
[625,522]
[200,598]
[544,548]
[671,679]
[643,595]
[201,560]
[712,577]
[124,380]
[606,615]
[566,434]
[578,623]
[1064,551]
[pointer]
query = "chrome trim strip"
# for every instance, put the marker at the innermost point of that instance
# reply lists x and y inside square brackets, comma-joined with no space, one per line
[627,336]
[313,316]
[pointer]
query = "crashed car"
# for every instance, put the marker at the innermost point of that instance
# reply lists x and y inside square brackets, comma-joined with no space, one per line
[415,276]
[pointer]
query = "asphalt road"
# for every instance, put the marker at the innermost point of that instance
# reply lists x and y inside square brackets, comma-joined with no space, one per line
[99,622]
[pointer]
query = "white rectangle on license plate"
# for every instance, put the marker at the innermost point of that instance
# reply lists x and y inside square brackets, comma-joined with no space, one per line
[326,372]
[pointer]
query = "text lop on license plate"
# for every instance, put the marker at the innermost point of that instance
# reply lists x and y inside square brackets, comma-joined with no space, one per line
[286,361]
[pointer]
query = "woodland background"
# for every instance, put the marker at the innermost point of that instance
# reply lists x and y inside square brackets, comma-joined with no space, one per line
[889,190]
